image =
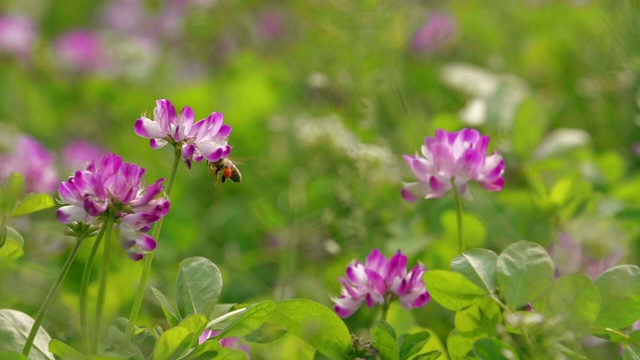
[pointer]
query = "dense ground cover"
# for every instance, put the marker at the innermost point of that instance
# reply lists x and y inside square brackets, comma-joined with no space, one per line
[324,99]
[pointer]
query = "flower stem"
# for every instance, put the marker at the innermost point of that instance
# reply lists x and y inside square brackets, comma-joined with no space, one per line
[104,275]
[84,288]
[49,299]
[148,259]
[384,310]
[456,196]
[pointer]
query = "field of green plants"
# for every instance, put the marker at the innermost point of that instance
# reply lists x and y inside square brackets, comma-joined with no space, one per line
[512,126]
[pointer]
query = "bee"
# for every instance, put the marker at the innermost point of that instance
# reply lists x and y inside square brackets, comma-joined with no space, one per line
[227,168]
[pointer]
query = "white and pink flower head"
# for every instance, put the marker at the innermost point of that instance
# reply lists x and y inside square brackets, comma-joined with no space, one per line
[457,157]
[205,139]
[17,35]
[110,188]
[231,342]
[379,281]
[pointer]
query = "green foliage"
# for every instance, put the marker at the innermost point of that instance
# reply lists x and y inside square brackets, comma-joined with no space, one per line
[523,272]
[621,305]
[198,286]
[14,329]
[451,290]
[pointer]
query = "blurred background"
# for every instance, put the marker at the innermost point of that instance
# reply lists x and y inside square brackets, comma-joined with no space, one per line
[324,97]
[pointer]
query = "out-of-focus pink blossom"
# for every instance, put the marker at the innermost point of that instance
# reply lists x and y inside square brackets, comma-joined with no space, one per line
[453,156]
[437,31]
[270,24]
[379,281]
[17,35]
[571,258]
[79,153]
[81,51]
[33,161]
[231,342]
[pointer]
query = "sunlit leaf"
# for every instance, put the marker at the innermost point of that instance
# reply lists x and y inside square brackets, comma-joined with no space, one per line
[574,301]
[169,311]
[620,304]
[62,350]
[385,341]
[451,289]
[493,349]
[524,271]
[459,346]
[172,343]
[411,344]
[12,190]
[316,324]
[480,318]
[198,286]
[32,203]
[14,329]
[479,266]
[249,321]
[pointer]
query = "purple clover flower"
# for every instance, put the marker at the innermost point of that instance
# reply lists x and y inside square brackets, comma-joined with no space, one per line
[34,162]
[17,35]
[379,281]
[570,257]
[111,188]
[81,50]
[453,156]
[206,139]
[232,342]
[434,34]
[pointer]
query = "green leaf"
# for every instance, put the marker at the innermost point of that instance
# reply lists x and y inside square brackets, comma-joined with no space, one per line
[493,349]
[249,321]
[194,323]
[528,128]
[172,343]
[32,203]
[12,191]
[3,234]
[4,355]
[620,303]
[169,311]
[207,350]
[480,318]
[63,350]
[14,329]
[631,353]
[524,271]
[573,302]
[411,344]
[475,232]
[451,289]
[479,266]
[459,346]
[198,286]
[266,334]
[12,248]
[385,341]
[431,355]
[316,324]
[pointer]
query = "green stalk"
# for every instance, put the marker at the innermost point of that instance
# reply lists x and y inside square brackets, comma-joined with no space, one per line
[84,288]
[49,299]
[456,196]
[104,275]
[148,259]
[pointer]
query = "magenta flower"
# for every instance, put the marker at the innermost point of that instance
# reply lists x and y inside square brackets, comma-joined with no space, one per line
[379,281]
[232,342]
[34,162]
[206,139]
[434,34]
[453,156]
[17,35]
[111,188]
[81,50]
